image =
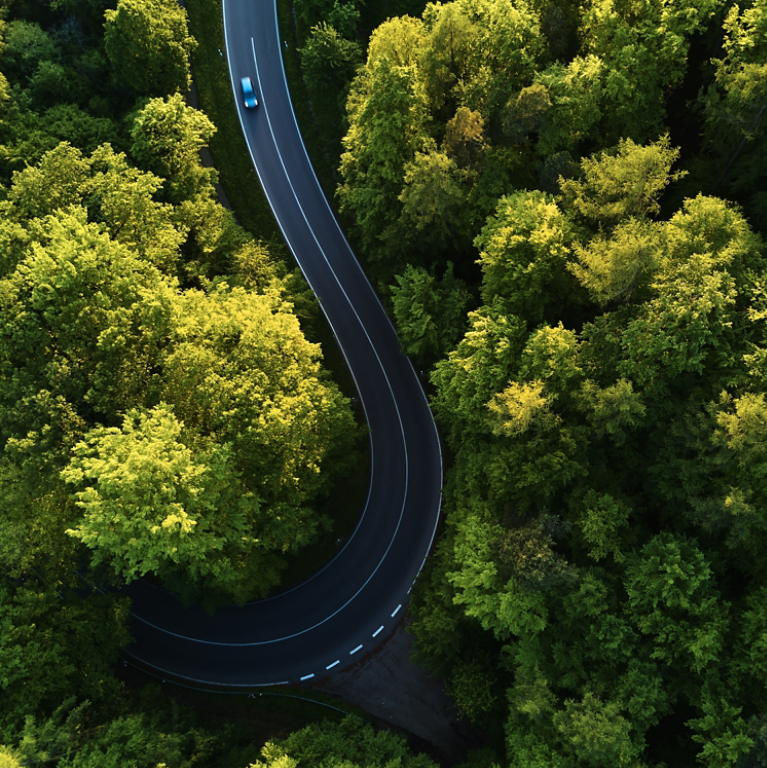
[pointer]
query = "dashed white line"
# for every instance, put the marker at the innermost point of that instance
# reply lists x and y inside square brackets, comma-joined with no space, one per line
[396,610]
[355,650]
[307,677]
[378,631]
[330,666]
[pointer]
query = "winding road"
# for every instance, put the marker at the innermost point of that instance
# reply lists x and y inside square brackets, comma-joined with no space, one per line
[354,602]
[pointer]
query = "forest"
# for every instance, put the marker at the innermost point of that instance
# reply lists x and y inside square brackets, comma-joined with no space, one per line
[562,205]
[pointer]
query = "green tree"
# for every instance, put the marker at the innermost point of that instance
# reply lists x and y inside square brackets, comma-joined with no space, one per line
[527,113]
[89,353]
[328,62]
[387,126]
[67,122]
[139,343]
[687,324]
[429,313]
[398,41]
[349,743]
[611,268]
[239,370]
[601,521]
[518,407]
[53,738]
[721,731]
[92,358]
[623,183]
[152,504]
[432,198]
[672,597]
[464,137]
[345,17]
[53,83]
[446,56]
[342,15]
[613,409]
[524,249]
[720,475]
[8,759]
[148,44]
[475,370]
[551,355]
[54,646]
[118,196]
[505,52]
[167,136]
[53,183]
[527,749]
[141,739]
[734,108]
[575,95]
[597,733]
[644,47]
[739,96]
[25,45]
[124,200]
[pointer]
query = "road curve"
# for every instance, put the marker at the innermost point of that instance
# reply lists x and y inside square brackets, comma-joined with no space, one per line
[352,604]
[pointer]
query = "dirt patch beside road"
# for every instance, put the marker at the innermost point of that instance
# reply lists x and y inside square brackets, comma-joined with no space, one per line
[399,693]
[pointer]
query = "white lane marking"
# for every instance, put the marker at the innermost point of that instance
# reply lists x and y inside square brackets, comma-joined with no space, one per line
[378,631]
[202,680]
[375,351]
[396,610]
[359,647]
[367,335]
[307,677]
[322,307]
[359,267]
[330,666]
[327,204]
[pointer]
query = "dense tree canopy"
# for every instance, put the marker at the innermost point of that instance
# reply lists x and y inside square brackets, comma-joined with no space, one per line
[171,415]
[154,402]
[515,94]
[583,272]
[606,423]
[598,583]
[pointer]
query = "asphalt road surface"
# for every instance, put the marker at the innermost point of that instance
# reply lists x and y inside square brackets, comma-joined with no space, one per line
[351,605]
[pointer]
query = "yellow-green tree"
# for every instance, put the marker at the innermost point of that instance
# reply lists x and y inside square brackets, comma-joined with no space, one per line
[148,44]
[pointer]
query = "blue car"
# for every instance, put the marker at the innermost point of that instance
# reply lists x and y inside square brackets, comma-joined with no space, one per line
[248,94]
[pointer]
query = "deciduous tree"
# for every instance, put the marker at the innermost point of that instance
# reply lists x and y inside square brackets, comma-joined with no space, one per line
[167,136]
[148,44]
[152,504]
[429,313]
